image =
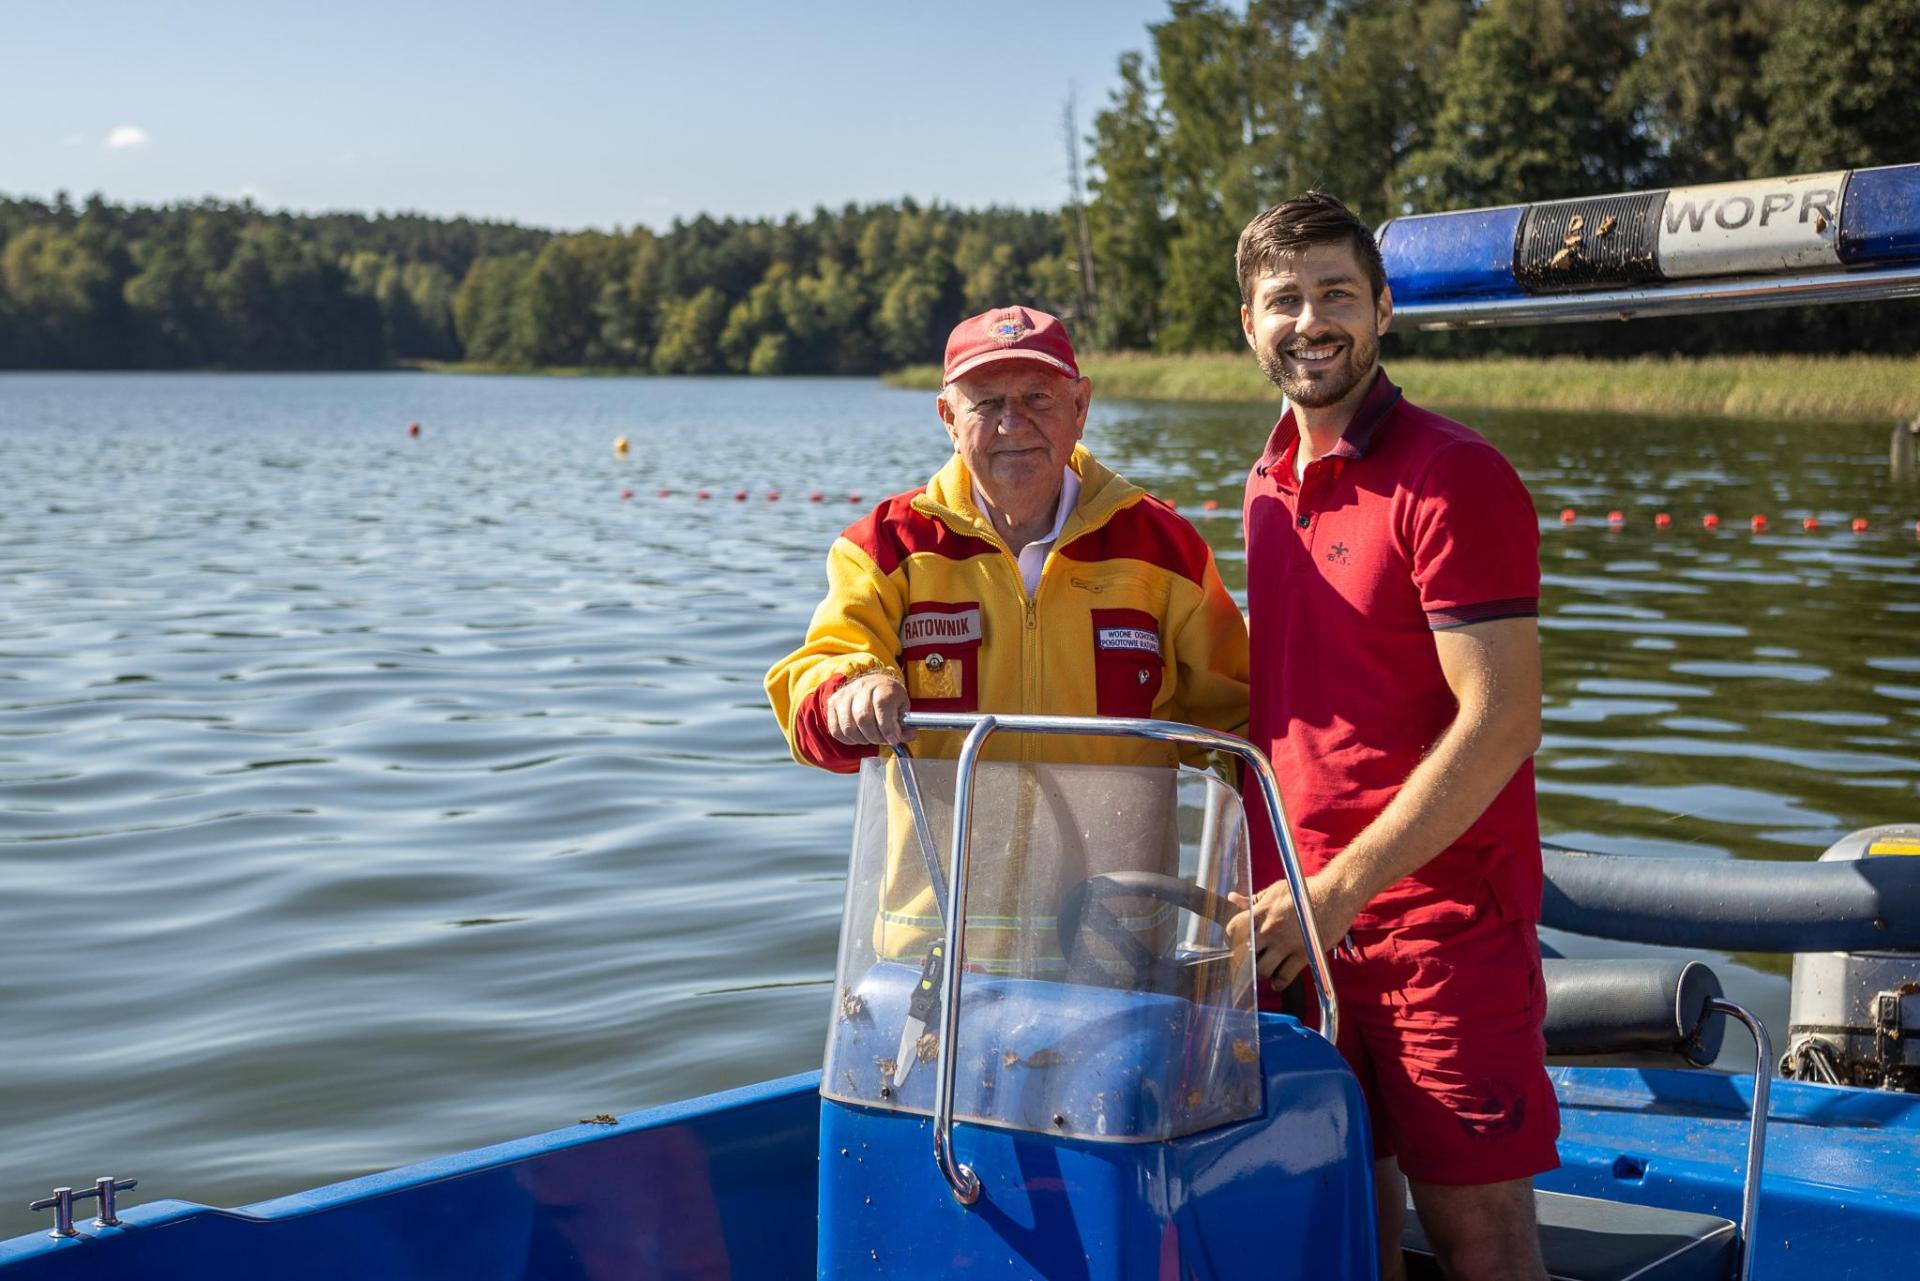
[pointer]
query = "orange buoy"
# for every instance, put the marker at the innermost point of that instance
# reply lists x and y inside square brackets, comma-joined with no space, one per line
[773,495]
[1212,505]
[1859,524]
[1759,523]
[1568,516]
[1811,522]
[1710,521]
[1662,520]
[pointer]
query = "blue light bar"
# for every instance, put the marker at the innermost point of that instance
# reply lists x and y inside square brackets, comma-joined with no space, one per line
[1839,236]
[1452,255]
[1880,220]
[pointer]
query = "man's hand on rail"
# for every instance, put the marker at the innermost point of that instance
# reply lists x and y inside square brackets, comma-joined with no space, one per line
[866,711]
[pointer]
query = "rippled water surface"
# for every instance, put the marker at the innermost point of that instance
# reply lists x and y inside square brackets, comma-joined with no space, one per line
[364,798]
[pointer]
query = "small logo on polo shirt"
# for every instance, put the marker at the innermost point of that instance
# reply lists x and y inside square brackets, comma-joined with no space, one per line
[1338,554]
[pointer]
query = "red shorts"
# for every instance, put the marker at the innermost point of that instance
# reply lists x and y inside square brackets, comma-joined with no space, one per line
[1441,1023]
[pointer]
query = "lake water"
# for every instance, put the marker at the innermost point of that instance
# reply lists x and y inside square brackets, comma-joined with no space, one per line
[365,798]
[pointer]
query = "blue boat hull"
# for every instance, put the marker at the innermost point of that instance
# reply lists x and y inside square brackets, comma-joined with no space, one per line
[726,1186]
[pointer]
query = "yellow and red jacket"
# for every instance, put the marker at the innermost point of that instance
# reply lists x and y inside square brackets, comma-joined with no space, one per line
[1129,619]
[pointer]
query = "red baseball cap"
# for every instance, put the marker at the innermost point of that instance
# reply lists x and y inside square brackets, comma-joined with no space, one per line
[1009,333]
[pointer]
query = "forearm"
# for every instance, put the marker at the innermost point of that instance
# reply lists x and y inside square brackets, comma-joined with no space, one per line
[1450,788]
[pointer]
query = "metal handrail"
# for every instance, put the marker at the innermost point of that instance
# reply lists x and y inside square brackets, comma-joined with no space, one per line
[978,727]
[1756,1126]
[1693,297]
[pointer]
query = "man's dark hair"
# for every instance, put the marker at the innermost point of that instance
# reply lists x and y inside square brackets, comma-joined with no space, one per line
[1292,225]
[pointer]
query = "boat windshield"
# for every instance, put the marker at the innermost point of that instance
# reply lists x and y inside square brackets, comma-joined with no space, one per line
[1102,994]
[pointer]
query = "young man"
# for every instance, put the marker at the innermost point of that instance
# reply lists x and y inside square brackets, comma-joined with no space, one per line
[1393,584]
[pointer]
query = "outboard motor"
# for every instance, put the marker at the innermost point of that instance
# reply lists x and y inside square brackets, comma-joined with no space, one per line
[1855,1016]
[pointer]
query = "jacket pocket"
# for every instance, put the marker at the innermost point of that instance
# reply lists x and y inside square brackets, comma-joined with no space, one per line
[940,650]
[1128,666]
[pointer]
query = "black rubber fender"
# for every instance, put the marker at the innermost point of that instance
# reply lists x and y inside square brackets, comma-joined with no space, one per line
[1735,905]
[1640,1013]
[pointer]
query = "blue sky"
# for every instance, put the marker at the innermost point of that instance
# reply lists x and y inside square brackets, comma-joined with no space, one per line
[562,115]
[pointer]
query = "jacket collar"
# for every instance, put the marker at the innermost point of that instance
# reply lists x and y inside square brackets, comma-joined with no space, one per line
[949,499]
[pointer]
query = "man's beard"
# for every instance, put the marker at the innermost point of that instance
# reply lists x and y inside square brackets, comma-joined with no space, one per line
[1334,382]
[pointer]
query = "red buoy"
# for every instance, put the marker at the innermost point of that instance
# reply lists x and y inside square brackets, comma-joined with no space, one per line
[1811,522]
[1616,519]
[773,495]
[1859,524]
[1662,520]
[703,495]
[853,498]
[626,494]
[413,429]
[739,495]
[816,497]
[1212,505]
[1759,523]
[666,493]
[1568,516]
[1710,521]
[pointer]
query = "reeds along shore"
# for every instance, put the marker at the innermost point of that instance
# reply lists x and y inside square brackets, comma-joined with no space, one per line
[1849,388]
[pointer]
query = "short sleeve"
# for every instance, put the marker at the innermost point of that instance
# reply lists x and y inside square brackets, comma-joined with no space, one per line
[1475,539]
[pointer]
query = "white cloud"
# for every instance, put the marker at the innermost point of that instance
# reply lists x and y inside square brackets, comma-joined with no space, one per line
[127,136]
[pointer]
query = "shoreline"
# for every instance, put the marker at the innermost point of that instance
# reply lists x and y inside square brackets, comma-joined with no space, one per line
[1842,388]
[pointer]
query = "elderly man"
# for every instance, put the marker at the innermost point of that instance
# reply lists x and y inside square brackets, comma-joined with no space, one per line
[1024,577]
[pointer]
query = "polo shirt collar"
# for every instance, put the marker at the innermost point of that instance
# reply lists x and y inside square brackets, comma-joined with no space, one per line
[1354,442]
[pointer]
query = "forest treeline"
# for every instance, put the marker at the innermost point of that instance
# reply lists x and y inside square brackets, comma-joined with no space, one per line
[1399,106]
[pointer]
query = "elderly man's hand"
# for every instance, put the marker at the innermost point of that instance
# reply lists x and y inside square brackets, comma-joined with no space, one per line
[866,711]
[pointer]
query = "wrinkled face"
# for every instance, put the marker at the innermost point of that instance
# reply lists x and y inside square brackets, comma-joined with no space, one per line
[1315,326]
[1015,424]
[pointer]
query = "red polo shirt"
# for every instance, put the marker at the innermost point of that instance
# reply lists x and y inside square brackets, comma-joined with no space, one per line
[1413,523]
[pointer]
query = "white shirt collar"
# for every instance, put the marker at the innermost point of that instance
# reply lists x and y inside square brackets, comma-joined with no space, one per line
[1033,557]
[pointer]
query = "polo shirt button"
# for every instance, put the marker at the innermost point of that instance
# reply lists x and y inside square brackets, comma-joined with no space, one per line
[1304,520]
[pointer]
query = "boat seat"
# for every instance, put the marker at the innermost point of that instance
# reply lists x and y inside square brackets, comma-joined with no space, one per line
[1587,1239]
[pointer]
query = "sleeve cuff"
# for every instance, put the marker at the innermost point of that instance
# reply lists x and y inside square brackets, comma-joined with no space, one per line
[1485,612]
[811,741]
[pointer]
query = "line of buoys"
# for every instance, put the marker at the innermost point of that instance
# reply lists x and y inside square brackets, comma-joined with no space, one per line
[1759,522]
[1616,519]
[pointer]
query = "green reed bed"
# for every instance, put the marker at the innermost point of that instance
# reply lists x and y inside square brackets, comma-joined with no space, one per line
[1854,388]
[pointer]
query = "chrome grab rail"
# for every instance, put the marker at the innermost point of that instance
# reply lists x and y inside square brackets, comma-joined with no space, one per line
[1692,297]
[964,1183]
[1756,1126]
